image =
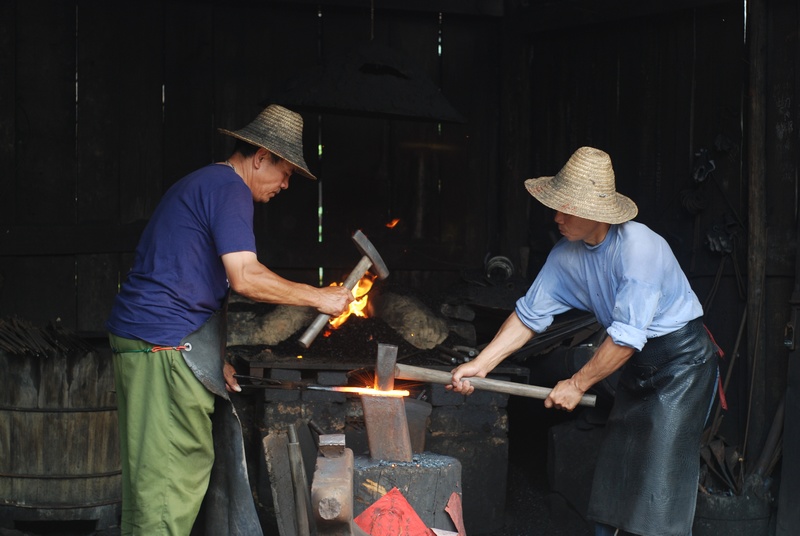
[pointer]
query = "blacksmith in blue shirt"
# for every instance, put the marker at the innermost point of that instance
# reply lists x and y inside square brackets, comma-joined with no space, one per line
[647,471]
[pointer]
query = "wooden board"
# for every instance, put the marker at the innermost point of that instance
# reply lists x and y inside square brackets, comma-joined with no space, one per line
[7,111]
[280,481]
[189,79]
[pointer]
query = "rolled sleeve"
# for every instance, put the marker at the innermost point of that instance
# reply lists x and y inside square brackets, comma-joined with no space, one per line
[625,335]
[636,306]
[537,308]
[536,323]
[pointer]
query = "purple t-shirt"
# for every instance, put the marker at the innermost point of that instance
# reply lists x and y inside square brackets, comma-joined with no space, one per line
[178,280]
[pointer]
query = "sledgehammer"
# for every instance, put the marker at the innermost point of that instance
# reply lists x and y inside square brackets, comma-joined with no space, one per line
[408,372]
[370,259]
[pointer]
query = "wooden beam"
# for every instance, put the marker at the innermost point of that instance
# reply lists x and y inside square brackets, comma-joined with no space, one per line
[757,418]
[69,239]
[544,15]
[482,8]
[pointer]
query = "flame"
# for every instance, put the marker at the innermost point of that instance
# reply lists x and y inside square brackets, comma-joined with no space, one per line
[371,391]
[393,223]
[358,305]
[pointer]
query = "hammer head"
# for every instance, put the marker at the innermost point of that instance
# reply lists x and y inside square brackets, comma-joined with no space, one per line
[366,248]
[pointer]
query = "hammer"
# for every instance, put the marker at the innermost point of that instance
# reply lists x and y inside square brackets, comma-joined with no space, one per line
[408,372]
[370,259]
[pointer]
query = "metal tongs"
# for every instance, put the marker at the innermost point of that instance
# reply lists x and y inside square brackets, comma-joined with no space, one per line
[271,383]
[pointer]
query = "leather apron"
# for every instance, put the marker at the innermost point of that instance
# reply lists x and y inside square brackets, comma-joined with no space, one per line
[645,480]
[228,504]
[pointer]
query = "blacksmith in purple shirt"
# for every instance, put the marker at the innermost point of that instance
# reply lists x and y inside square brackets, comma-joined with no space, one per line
[180,438]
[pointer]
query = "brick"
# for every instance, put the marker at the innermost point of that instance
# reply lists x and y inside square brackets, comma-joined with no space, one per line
[468,420]
[325,397]
[285,374]
[443,397]
[487,398]
[332,378]
[281,395]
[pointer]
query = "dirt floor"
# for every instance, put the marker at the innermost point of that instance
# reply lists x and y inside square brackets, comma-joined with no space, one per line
[532,509]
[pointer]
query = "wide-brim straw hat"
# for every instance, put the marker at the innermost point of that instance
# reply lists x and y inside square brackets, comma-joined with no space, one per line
[279,131]
[585,188]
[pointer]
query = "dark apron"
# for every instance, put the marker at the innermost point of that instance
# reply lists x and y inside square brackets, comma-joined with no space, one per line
[228,504]
[647,471]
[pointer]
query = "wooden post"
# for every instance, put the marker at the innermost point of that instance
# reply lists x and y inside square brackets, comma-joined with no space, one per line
[757,244]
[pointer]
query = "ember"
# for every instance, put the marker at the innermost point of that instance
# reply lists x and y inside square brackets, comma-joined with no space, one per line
[358,306]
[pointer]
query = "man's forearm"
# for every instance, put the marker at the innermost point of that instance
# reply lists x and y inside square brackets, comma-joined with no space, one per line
[608,358]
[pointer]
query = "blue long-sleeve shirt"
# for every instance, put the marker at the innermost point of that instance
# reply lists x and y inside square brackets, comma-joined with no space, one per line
[631,281]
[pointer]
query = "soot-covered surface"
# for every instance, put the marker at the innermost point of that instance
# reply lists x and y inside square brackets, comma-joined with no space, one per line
[354,343]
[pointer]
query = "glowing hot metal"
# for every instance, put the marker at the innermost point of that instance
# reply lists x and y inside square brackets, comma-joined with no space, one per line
[371,391]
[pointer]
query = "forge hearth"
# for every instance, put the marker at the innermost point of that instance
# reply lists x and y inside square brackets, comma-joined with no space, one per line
[472,430]
[395,318]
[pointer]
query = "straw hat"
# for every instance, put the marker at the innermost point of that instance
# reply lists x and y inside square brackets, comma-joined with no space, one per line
[585,188]
[277,130]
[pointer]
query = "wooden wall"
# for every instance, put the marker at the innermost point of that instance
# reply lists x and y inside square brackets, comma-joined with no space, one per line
[104,105]
[654,91]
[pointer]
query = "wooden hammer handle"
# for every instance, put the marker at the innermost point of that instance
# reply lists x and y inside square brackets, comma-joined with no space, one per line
[322,319]
[408,372]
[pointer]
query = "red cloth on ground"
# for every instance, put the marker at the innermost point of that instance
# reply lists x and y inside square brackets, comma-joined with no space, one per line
[392,515]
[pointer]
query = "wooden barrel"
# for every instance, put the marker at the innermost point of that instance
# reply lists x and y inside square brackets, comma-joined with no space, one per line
[59,442]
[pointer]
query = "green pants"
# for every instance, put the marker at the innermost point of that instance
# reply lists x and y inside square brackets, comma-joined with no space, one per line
[166,446]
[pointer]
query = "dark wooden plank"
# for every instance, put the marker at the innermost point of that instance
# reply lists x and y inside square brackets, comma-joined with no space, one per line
[514,144]
[716,121]
[676,51]
[493,8]
[98,149]
[573,14]
[100,129]
[68,239]
[275,449]
[38,289]
[415,148]
[353,176]
[138,94]
[45,76]
[288,225]
[783,239]
[7,110]
[353,150]
[470,183]
[188,88]
[97,282]
[756,140]
[249,65]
